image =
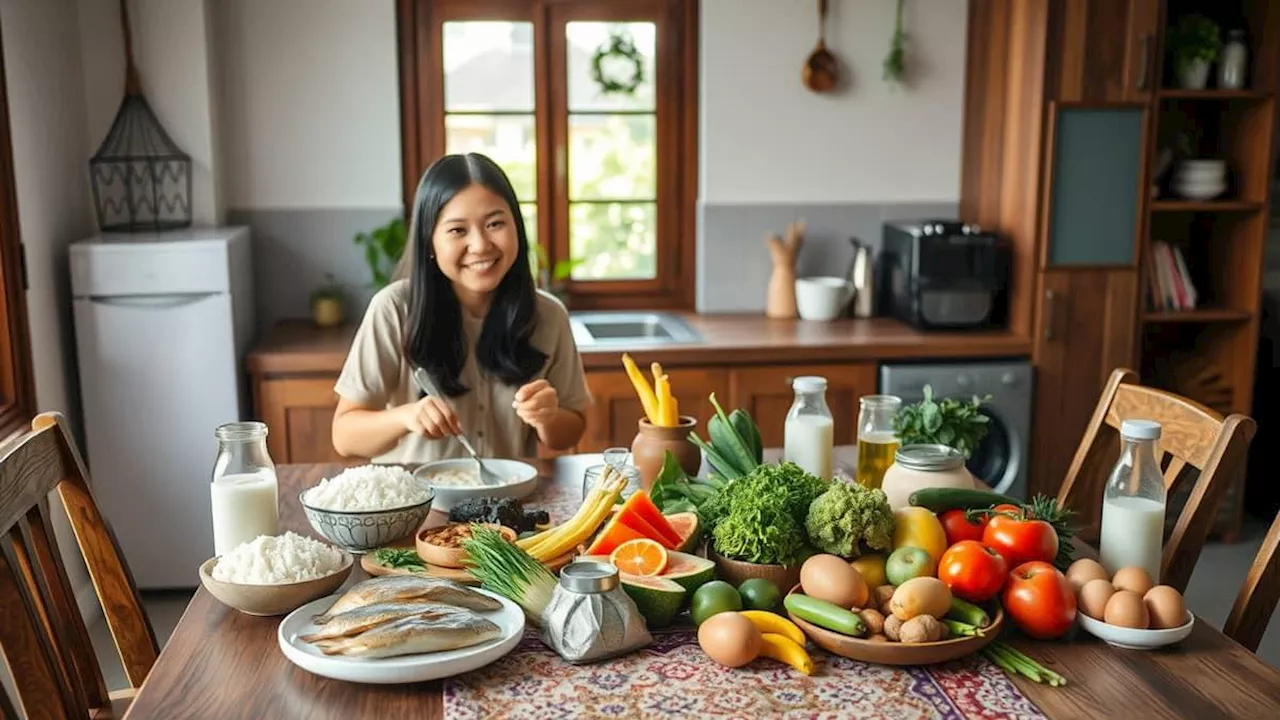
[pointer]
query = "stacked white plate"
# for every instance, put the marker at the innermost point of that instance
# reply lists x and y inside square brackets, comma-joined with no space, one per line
[1200,179]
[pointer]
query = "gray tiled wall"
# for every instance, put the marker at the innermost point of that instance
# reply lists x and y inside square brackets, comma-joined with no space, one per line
[733,258]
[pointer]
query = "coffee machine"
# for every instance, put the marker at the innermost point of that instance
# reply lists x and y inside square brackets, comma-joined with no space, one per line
[944,274]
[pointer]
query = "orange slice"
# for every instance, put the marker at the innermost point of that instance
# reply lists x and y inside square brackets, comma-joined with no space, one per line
[641,556]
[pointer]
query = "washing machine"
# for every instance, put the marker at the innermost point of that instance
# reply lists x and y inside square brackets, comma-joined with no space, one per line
[1001,459]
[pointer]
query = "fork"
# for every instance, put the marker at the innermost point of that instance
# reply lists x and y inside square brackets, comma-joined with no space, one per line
[487,476]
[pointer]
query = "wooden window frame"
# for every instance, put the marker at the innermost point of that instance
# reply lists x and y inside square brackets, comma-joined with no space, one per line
[17,386]
[422,128]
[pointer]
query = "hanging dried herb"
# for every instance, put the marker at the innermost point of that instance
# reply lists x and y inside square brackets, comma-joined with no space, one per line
[895,63]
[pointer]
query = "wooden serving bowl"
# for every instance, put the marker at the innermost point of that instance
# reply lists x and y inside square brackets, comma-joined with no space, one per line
[896,653]
[279,599]
[450,557]
[736,571]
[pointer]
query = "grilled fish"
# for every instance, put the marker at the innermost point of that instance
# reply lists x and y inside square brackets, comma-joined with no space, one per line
[415,634]
[365,617]
[392,588]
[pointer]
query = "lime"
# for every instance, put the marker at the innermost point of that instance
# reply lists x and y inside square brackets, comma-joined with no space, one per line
[759,594]
[714,597]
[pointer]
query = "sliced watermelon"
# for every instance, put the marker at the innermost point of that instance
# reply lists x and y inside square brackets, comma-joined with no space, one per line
[686,525]
[640,505]
[637,523]
[614,534]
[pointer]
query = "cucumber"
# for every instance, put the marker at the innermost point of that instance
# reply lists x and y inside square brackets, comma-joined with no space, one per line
[825,615]
[943,499]
[967,612]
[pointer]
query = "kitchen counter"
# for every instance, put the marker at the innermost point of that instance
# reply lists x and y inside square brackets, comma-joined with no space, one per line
[298,347]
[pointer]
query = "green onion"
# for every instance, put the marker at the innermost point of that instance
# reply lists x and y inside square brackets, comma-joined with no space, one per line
[1014,662]
[505,569]
[400,558]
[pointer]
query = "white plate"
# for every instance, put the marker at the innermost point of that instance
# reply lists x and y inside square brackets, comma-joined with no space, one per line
[1134,639]
[403,669]
[524,480]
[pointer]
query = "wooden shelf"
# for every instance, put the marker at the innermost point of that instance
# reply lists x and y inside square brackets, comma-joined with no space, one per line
[1212,94]
[1204,206]
[1199,315]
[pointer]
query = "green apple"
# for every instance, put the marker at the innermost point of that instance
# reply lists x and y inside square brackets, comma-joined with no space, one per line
[906,563]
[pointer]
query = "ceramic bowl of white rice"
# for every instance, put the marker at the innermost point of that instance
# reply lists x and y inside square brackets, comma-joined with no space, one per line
[276,574]
[367,507]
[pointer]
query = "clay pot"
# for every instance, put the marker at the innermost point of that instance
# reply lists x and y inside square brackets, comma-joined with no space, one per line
[736,572]
[652,442]
[327,311]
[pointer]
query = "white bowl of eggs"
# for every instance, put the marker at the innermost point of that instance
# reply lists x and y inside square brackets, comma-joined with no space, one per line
[1128,610]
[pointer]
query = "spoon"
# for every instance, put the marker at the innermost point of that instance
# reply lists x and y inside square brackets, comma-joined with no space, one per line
[821,71]
[487,476]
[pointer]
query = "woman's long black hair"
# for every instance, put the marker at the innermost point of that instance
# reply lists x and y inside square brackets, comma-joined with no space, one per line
[434,339]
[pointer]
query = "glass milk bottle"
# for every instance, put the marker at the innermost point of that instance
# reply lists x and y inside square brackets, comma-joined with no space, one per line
[243,491]
[808,435]
[877,443]
[1133,504]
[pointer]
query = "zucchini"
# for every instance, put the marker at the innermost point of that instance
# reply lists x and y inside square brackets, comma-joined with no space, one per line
[825,615]
[968,613]
[943,499]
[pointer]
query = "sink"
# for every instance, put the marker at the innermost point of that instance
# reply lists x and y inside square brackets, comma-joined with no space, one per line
[606,328]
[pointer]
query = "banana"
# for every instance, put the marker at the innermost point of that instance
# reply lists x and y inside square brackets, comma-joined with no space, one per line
[768,622]
[784,649]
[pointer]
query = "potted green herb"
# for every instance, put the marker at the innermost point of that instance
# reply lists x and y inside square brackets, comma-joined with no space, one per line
[329,303]
[552,278]
[1195,43]
[950,422]
[383,247]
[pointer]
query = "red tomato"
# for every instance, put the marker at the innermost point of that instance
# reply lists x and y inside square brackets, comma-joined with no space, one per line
[1019,540]
[973,571]
[1039,599]
[959,527]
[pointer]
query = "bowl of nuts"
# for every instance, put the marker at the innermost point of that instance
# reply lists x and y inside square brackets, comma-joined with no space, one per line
[442,546]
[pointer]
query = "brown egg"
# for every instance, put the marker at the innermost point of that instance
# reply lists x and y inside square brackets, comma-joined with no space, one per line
[730,639]
[1165,606]
[832,578]
[1134,579]
[1084,570]
[1094,596]
[1126,609]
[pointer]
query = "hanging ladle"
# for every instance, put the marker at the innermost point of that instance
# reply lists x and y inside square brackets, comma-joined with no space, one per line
[821,71]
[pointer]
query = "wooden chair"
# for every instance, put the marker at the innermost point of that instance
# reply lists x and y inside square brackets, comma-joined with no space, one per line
[1192,436]
[1259,595]
[44,638]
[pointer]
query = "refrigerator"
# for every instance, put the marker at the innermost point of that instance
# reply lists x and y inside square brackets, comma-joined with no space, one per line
[162,322]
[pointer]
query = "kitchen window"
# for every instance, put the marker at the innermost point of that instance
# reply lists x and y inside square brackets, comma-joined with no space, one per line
[17,389]
[607,180]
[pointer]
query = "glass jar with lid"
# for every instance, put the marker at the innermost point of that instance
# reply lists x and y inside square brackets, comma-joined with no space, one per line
[877,443]
[808,434]
[920,466]
[244,493]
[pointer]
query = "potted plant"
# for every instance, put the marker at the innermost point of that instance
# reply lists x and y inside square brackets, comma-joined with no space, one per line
[329,303]
[949,422]
[1195,43]
[553,279]
[383,247]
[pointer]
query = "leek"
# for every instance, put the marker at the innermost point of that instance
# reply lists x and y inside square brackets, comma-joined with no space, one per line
[505,569]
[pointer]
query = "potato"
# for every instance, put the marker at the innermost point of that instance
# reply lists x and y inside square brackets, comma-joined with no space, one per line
[873,620]
[920,629]
[891,626]
[921,596]
[881,597]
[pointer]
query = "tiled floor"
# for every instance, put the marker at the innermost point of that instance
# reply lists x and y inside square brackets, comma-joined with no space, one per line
[1213,588]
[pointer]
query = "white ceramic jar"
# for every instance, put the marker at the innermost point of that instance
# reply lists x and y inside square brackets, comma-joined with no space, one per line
[916,467]
[1233,64]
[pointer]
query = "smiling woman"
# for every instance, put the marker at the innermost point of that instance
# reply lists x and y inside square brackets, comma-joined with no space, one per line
[501,353]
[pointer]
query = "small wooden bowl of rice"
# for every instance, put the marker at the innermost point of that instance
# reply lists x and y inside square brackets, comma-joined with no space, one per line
[275,575]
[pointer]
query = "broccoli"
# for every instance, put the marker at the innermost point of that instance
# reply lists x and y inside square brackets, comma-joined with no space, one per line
[849,519]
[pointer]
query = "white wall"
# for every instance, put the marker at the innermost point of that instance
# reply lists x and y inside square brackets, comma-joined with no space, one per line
[765,138]
[310,109]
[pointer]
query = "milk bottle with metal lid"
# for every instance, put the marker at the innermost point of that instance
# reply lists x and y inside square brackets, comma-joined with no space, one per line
[244,490]
[1134,501]
[808,436]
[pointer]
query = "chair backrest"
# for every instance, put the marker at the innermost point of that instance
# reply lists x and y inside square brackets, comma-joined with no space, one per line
[1259,595]
[1194,440]
[43,636]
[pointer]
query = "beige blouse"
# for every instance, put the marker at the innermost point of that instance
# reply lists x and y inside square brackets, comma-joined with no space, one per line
[377,374]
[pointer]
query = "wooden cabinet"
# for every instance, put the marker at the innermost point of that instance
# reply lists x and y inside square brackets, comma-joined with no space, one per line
[612,421]
[766,393]
[1107,50]
[299,417]
[1086,329]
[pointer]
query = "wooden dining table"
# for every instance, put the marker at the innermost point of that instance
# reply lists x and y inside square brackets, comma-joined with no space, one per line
[220,663]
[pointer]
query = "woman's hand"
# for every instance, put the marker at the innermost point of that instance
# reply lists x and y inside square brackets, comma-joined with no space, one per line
[430,417]
[537,403]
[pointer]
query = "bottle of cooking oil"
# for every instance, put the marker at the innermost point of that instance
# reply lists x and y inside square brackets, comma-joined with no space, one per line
[877,443]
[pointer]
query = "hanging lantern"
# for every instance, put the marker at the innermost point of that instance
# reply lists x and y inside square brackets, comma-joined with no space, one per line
[141,180]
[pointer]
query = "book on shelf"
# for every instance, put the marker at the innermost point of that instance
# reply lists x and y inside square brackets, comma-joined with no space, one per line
[1169,285]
